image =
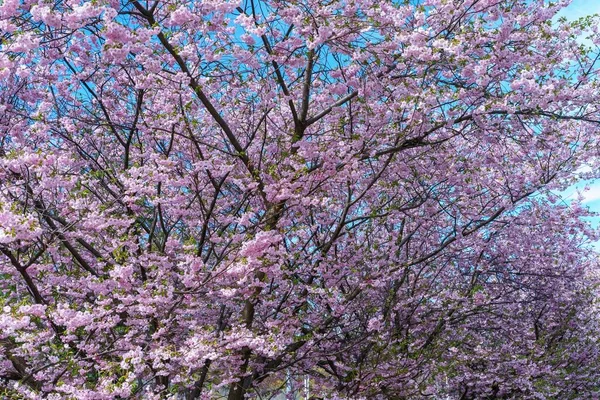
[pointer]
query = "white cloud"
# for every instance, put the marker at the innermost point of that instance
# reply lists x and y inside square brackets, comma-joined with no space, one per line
[593,194]
[580,8]
[589,190]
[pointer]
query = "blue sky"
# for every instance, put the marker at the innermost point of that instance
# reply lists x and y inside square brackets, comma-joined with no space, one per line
[581,8]
[578,9]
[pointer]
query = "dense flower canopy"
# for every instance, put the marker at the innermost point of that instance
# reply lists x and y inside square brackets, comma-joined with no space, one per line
[240,198]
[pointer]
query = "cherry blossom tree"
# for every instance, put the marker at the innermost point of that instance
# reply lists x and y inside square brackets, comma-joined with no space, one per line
[216,198]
